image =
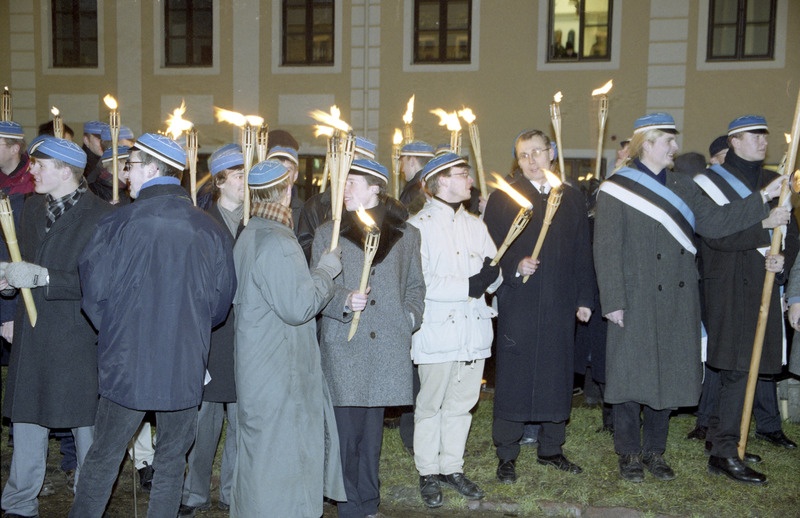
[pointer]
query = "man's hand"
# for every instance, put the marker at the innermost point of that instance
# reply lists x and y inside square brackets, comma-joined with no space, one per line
[481,281]
[527,266]
[774,263]
[773,190]
[584,314]
[26,275]
[777,217]
[330,262]
[358,301]
[7,330]
[794,316]
[615,317]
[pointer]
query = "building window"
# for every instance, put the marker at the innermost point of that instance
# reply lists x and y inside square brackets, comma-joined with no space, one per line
[579,30]
[741,30]
[442,31]
[188,33]
[308,28]
[74,33]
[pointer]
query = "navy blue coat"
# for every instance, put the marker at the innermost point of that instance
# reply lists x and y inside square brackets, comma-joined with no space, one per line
[157,276]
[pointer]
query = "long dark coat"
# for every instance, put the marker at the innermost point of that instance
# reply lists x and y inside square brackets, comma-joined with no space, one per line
[655,359]
[374,369]
[733,279]
[536,320]
[52,377]
[222,387]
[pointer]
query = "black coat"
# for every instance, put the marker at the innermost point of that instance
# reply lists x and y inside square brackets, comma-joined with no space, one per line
[536,320]
[52,376]
[733,279]
[157,276]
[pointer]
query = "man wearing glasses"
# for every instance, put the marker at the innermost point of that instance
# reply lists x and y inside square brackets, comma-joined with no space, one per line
[537,319]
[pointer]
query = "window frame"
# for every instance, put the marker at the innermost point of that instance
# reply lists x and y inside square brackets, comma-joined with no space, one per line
[408,43]
[159,50]
[76,38]
[741,25]
[309,35]
[581,32]
[443,33]
[190,39]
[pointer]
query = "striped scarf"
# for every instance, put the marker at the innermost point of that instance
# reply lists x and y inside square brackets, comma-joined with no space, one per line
[57,207]
[273,211]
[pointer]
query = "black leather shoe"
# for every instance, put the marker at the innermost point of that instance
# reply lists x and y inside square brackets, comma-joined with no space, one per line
[778,439]
[187,510]
[507,471]
[751,458]
[559,462]
[735,469]
[656,465]
[430,491]
[463,485]
[146,477]
[699,433]
[630,467]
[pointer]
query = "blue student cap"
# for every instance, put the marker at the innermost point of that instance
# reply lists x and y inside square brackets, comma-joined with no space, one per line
[11,129]
[96,128]
[659,121]
[441,163]
[266,174]
[365,147]
[60,149]
[122,152]
[367,166]
[749,123]
[227,159]
[417,148]
[163,148]
[124,133]
[278,152]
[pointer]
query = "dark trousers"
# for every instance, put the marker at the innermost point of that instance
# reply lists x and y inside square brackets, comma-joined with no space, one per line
[407,418]
[639,428]
[506,436]
[765,404]
[723,430]
[360,438]
[114,428]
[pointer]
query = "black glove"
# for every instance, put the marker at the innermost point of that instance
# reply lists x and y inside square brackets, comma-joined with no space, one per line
[483,279]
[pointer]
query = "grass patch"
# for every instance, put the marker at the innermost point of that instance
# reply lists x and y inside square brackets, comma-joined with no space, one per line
[539,488]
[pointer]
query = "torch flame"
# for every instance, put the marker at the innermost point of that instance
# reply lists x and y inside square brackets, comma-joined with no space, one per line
[235,118]
[449,120]
[501,184]
[254,120]
[54,111]
[788,138]
[552,179]
[176,124]
[110,102]
[604,89]
[467,115]
[408,116]
[330,119]
[557,97]
[365,218]
[5,88]
[322,131]
[398,137]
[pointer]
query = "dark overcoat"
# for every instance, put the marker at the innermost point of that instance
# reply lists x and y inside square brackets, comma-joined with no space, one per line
[52,376]
[641,268]
[733,279]
[536,320]
[157,275]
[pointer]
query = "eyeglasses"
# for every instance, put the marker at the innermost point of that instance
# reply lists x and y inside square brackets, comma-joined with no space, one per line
[535,153]
[458,174]
[128,163]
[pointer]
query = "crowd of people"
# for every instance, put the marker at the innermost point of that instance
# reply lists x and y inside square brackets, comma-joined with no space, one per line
[149,310]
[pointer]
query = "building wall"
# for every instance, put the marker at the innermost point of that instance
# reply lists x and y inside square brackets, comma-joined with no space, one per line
[657,65]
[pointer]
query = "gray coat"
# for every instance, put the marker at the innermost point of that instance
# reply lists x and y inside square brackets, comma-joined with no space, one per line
[655,359]
[374,369]
[287,432]
[52,376]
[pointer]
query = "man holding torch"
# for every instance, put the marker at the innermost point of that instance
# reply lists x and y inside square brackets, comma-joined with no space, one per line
[644,251]
[537,318]
[373,369]
[157,275]
[456,334]
[733,279]
[52,377]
